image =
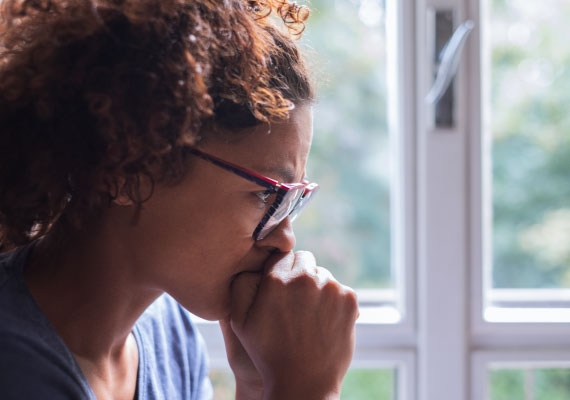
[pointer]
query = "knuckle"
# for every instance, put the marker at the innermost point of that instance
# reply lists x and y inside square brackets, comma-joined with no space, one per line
[332,288]
[305,259]
[275,280]
[303,281]
[351,298]
[351,302]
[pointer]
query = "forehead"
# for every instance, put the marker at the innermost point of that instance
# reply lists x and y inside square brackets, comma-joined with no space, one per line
[278,149]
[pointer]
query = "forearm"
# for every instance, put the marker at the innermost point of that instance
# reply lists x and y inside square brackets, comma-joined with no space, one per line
[302,390]
[289,393]
[248,392]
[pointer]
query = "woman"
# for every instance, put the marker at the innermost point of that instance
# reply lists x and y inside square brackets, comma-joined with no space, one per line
[144,148]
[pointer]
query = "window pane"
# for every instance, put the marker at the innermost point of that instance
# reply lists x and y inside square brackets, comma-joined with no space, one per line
[530,121]
[362,384]
[348,225]
[529,384]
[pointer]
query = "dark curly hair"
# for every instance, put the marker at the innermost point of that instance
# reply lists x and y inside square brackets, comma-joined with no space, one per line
[96,95]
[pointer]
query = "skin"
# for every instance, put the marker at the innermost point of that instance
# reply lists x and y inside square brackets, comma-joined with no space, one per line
[288,325]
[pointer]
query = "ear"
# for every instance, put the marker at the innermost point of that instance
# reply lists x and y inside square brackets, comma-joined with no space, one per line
[117,192]
[122,199]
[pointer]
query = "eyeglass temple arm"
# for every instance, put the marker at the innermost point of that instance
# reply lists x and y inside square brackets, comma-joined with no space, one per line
[249,175]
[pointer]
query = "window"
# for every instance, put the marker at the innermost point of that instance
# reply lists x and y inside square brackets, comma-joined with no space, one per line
[456,234]
[527,80]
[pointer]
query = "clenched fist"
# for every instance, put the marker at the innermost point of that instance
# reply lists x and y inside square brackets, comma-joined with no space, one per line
[291,330]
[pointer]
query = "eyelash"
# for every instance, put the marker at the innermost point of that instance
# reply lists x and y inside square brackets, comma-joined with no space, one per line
[264,195]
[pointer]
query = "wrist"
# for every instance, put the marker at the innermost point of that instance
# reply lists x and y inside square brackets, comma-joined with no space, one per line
[245,391]
[292,391]
[282,395]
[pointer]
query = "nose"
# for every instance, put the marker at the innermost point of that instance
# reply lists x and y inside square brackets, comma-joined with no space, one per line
[281,238]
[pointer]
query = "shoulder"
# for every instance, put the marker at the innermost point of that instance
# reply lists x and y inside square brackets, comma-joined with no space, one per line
[34,363]
[31,368]
[10,263]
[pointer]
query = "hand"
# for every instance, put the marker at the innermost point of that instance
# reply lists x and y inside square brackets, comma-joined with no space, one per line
[248,380]
[298,328]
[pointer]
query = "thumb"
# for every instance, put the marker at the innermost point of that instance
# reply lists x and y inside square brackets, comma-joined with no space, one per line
[229,336]
[244,291]
[232,343]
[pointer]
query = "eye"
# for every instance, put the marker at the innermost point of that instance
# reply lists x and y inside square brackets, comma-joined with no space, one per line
[264,196]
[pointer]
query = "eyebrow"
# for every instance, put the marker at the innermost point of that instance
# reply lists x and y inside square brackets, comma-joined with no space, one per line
[284,174]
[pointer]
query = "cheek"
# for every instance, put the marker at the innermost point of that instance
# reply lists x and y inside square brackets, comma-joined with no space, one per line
[199,224]
[233,218]
[204,288]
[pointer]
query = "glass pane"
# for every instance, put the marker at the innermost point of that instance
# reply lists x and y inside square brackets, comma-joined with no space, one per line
[530,122]
[358,384]
[362,384]
[348,225]
[529,384]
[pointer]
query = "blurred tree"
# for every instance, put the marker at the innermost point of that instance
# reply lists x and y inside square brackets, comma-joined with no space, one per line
[506,384]
[348,227]
[530,95]
[552,384]
[368,384]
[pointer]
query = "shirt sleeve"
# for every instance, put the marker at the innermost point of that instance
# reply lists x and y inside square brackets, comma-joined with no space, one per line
[29,370]
[174,359]
[205,391]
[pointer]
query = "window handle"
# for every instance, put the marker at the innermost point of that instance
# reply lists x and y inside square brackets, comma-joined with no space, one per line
[449,61]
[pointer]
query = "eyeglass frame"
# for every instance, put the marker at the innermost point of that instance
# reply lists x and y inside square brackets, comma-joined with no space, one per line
[279,188]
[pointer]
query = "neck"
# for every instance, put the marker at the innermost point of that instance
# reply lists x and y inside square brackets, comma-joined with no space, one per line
[88,288]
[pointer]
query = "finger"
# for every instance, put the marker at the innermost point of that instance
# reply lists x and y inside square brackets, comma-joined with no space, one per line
[305,262]
[288,265]
[244,290]
[324,276]
[229,336]
[280,264]
[234,347]
[230,339]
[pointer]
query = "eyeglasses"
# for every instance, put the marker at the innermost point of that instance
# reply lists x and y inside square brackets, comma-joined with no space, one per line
[290,198]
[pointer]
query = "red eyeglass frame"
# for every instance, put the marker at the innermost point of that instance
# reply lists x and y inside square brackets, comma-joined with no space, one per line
[279,188]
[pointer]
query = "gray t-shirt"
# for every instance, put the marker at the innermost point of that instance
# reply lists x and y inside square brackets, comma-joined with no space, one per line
[36,364]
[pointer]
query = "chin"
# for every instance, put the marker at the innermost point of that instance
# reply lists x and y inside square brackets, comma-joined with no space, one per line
[208,312]
[211,316]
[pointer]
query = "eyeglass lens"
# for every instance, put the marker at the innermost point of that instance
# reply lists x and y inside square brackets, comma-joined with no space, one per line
[291,205]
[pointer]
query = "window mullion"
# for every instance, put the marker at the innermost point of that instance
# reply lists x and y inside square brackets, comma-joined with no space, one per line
[443,338]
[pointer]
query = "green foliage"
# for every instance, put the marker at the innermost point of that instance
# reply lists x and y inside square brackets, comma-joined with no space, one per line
[552,384]
[348,226]
[369,384]
[531,146]
[507,384]
[547,384]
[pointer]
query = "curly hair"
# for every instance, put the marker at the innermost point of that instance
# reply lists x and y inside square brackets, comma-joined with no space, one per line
[96,95]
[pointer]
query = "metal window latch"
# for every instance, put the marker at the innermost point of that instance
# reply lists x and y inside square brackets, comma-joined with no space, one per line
[449,45]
